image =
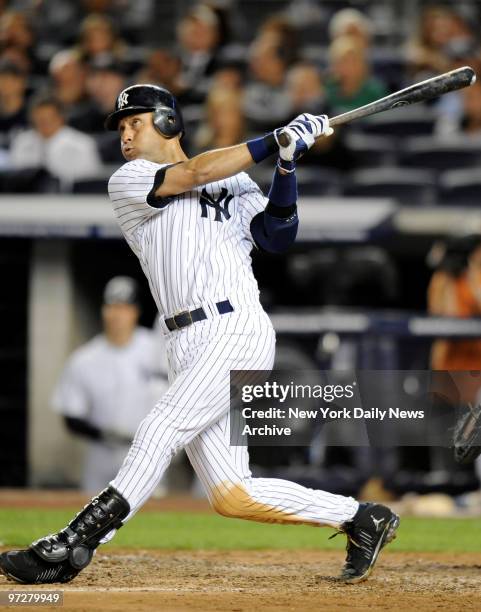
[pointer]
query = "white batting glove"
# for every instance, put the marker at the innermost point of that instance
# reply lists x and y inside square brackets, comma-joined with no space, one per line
[301,134]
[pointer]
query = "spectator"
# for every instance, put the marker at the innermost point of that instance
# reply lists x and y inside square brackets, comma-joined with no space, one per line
[16,35]
[200,37]
[350,83]
[19,58]
[440,29]
[69,75]
[454,291]
[471,120]
[133,17]
[64,151]
[279,32]
[305,89]
[230,76]
[266,104]
[306,94]
[225,120]
[351,22]
[99,39]
[466,122]
[111,383]
[451,108]
[105,82]
[16,31]
[13,108]
[163,68]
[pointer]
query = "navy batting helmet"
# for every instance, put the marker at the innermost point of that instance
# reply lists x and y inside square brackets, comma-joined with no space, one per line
[148,98]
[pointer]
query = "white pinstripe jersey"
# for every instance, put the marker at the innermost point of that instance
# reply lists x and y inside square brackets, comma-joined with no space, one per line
[194,249]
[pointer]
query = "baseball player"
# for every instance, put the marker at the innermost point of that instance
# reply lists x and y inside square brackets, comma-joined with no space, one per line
[193,223]
[110,383]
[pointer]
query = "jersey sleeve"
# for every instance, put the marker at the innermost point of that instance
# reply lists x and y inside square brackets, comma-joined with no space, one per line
[132,192]
[252,202]
[70,397]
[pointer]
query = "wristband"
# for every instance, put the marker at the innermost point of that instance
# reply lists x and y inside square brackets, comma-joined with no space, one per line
[286,166]
[263,147]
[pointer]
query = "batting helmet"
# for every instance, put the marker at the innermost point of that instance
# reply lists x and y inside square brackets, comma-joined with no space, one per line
[148,98]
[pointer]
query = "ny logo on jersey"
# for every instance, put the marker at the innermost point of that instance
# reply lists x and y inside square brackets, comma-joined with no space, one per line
[123,100]
[208,200]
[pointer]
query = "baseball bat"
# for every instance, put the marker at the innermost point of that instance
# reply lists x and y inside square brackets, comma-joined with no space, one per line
[425,90]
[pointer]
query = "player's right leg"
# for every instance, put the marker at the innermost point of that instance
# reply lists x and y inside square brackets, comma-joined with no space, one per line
[223,469]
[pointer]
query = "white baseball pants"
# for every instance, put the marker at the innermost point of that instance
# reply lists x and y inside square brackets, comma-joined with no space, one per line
[194,413]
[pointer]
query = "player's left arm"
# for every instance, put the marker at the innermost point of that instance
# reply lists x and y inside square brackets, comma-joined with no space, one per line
[275,228]
[204,168]
[220,164]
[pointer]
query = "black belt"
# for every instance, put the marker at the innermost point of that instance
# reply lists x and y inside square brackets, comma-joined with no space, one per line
[186,317]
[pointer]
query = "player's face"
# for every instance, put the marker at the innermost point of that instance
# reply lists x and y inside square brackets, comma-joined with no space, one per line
[120,319]
[138,137]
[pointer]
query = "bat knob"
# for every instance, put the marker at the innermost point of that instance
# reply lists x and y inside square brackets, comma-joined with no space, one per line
[283,139]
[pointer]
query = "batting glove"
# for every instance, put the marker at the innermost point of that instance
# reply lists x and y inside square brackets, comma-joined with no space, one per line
[301,134]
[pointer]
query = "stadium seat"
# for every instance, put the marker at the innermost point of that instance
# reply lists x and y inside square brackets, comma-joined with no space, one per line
[361,276]
[460,187]
[401,122]
[93,185]
[312,181]
[28,180]
[440,154]
[369,151]
[389,65]
[408,186]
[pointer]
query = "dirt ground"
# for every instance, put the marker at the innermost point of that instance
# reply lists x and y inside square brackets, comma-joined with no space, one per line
[247,581]
[268,581]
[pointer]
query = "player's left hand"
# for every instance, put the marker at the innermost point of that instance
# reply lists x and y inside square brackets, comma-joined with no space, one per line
[302,133]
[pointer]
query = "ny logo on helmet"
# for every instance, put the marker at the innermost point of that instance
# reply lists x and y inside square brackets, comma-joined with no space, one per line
[123,99]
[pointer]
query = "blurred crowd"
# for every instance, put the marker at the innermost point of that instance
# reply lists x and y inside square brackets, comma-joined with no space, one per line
[63,63]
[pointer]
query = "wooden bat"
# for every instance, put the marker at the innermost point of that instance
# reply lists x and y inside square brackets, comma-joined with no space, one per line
[425,90]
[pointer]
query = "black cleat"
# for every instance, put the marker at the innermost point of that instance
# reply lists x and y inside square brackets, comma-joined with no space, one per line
[59,557]
[372,527]
[25,567]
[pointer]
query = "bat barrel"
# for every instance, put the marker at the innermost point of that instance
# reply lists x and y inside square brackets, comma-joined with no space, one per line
[419,92]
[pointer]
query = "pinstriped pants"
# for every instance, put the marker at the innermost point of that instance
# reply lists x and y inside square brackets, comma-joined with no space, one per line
[193,414]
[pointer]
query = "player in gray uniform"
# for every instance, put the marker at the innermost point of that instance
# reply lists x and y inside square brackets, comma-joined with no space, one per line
[110,383]
[193,223]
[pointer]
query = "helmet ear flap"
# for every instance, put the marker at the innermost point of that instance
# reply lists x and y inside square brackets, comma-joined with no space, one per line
[167,121]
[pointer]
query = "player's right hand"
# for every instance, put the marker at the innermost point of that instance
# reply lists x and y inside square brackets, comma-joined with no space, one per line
[301,134]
